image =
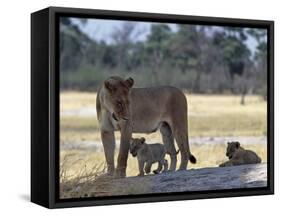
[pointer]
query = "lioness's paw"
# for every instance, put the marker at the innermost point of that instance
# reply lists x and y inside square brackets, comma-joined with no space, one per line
[119,173]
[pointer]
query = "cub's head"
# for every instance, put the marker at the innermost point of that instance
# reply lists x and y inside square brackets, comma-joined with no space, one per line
[135,145]
[232,148]
[117,97]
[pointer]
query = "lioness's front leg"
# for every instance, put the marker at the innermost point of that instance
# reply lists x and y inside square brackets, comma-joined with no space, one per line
[108,142]
[126,134]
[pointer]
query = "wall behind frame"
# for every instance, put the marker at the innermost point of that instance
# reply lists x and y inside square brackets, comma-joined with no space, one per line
[15,109]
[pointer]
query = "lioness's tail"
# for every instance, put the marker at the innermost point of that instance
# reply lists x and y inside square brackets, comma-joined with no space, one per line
[192,159]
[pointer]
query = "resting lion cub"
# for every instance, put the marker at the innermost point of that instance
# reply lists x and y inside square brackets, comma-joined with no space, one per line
[147,155]
[239,156]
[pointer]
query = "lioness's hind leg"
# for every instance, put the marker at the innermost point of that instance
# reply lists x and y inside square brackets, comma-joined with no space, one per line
[165,165]
[182,141]
[169,143]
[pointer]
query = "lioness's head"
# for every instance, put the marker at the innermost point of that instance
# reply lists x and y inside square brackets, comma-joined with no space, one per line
[135,145]
[117,99]
[231,148]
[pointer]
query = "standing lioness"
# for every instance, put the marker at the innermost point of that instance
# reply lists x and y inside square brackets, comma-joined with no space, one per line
[141,110]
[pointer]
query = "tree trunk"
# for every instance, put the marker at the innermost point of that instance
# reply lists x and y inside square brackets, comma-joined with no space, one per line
[196,85]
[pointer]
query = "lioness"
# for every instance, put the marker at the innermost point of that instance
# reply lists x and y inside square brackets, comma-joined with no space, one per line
[238,155]
[141,110]
[148,154]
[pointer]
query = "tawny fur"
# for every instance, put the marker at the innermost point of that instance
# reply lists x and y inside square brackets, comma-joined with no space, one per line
[141,110]
[148,154]
[239,156]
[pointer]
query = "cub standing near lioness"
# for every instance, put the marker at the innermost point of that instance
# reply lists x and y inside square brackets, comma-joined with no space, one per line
[147,154]
[141,110]
[239,156]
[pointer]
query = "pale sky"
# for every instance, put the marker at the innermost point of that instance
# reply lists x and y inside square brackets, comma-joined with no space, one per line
[101,29]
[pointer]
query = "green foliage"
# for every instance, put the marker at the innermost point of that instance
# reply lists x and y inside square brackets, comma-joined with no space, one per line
[200,59]
[85,78]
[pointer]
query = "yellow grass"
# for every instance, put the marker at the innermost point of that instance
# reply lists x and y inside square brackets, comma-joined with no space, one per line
[72,100]
[209,115]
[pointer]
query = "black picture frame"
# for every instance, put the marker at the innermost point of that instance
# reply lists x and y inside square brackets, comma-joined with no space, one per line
[45,106]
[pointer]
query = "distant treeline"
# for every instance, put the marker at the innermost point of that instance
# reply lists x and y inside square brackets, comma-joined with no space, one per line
[198,59]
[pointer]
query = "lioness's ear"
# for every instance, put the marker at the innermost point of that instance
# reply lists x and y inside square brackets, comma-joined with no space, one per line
[237,144]
[109,86]
[129,82]
[142,140]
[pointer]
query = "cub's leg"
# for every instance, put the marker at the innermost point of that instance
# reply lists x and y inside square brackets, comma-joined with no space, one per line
[141,165]
[232,162]
[237,162]
[108,141]
[169,143]
[159,168]
[147,167]
[227,164]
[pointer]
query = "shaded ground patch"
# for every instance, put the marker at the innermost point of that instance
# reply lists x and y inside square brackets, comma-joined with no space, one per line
[216,178]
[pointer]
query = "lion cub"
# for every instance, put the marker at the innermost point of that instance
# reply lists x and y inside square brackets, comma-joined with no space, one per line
[239,156]
[147,155]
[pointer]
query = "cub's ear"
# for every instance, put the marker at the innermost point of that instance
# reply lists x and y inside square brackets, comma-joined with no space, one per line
[109,86]
[142,140]
[129,82]
[237,144]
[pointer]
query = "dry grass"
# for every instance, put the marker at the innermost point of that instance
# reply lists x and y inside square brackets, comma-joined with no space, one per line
[83,174]
[212,115]
[71,100]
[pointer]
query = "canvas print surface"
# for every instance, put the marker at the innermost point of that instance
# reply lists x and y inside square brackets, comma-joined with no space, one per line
[149,108]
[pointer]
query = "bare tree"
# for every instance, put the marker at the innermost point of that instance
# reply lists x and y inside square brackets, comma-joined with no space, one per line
[123,36]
